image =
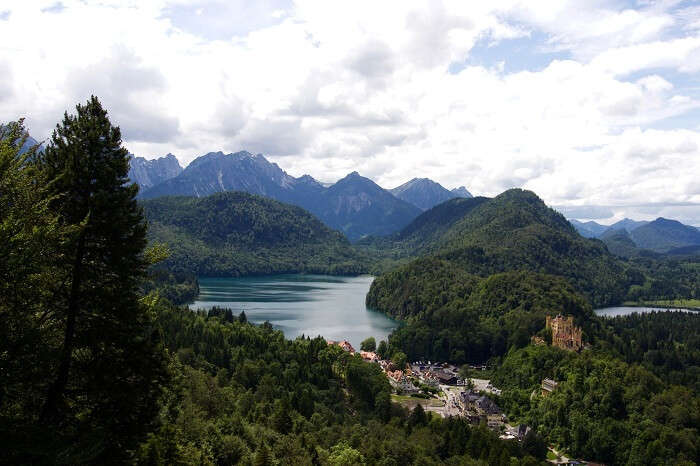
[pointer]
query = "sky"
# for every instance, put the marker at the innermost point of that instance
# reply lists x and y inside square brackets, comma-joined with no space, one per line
[593,105]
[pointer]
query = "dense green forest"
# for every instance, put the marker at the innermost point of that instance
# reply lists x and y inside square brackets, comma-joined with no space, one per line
[476,286]
[490,276]
[633,399]
[468,244]
[97,367]
[513,231]
[665,278]
[421,235]
[453,316]
[243,393]
[235,233]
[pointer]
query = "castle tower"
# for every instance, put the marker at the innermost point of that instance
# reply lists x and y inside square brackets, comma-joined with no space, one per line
[565,334]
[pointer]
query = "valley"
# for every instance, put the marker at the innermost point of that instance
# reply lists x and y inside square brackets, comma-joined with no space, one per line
[308,233]
[470,283]
[467,282]
[241,310]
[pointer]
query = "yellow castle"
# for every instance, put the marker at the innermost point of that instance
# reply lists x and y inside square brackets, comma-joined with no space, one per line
[565,334]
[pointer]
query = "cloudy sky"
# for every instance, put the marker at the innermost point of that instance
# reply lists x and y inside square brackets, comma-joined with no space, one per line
[594,105]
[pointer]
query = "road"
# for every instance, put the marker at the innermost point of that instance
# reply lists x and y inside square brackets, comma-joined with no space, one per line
[451,407]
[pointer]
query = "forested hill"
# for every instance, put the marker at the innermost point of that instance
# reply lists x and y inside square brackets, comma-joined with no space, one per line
[513,231]
[92,371]
[424,233]
[235,233]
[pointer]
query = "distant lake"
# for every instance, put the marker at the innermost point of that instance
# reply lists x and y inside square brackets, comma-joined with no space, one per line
[331,306]
[626,310]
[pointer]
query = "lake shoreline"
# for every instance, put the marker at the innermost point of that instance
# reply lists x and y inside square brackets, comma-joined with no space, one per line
[619,311]
[661,306]
[332,306]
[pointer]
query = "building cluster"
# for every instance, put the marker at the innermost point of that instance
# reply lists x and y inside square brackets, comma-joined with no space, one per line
[427,377]
[418,376]
[436,374]
[565,334]
[548,386]
[401,381]
[517,432]
[369,356]
[478,408]
[344,344]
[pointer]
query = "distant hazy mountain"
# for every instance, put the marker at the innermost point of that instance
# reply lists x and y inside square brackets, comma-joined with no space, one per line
[354,205]
[461,192]
[685,251]
[627,224]
[629,237]
[589,229]
[619,242]
[423,193]
[593,229]
[359,207]
[663,235]
[148,173]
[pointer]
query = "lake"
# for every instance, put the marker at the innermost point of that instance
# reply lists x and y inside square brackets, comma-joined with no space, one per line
[626,310]
[331,306]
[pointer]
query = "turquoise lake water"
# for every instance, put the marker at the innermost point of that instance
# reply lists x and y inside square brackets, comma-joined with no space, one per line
[330,306]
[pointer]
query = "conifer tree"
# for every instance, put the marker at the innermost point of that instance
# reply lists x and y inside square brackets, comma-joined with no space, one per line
[28,238]
[417,416]
[109,371]
[368,344]
[262,456]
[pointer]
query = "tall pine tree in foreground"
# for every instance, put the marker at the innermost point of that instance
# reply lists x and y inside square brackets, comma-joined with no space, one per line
[29,236]
[102,393]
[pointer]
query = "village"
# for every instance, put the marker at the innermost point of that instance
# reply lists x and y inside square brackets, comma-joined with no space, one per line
[439,388]
[442,389]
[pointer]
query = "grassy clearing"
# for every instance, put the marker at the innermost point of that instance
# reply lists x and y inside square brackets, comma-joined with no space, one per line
[410,401]
[685,303]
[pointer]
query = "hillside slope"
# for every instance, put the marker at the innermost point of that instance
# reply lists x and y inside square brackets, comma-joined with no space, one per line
[422,235]
[489,273]
[515,231]
[235,233]
[619,243]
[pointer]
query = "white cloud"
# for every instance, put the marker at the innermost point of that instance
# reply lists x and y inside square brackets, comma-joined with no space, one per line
[330,87]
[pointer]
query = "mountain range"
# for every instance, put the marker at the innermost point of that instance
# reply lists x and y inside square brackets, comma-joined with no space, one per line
[354,205]
[631,237]
[148,173]
[593,229]
[359,208]
[425,193]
